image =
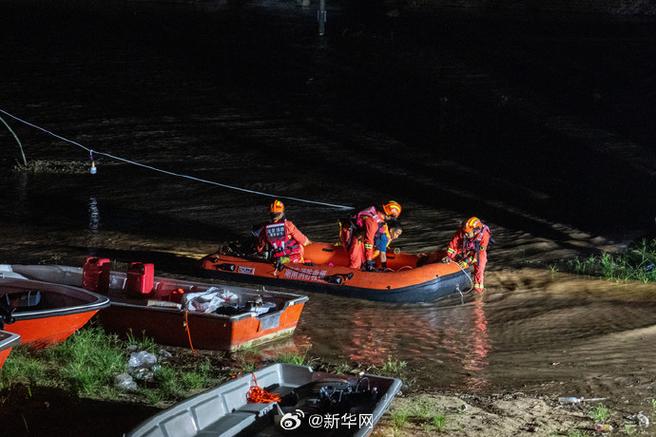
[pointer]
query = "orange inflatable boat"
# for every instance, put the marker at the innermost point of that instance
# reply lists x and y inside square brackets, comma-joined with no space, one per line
[326,269]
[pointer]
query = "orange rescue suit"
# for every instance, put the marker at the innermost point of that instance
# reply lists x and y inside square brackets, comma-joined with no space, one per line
[291,233]
[471,252]
[368,223]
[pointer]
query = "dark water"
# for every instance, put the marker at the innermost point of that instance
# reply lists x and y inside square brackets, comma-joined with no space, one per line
[540,127]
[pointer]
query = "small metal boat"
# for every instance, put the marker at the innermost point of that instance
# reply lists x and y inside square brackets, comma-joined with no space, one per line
[7,341]
[255,316]
[311,403]
[43,313]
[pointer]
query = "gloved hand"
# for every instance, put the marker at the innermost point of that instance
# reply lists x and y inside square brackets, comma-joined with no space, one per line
[446,260]
[463,264]
[369,266]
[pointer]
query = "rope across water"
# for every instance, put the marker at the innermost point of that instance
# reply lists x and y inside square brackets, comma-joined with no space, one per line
[171,173]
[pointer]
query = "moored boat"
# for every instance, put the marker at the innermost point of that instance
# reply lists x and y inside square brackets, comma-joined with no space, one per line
[249,317]
[326,269]
[304,402]
[43,313]
[7,341]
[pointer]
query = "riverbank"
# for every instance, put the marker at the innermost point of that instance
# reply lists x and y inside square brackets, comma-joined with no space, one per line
[61,388]
[506,414]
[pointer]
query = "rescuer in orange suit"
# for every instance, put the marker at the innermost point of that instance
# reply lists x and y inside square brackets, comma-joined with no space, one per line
[359,237]
[468,248]
[281,238]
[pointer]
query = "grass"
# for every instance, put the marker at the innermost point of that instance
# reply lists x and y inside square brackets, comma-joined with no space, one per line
[176,382]
[341,367]
[577,433]
[142,343]
[438,422]
[21,368]
[87,363]
[294,358]
[91,358]
[637,262]
[393,367]
[248,367]
[246,360]
[421,411]
[400,419]
[630,429]
[600,413]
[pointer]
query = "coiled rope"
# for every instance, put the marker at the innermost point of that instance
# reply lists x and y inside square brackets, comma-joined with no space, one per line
[257,394]
[171,173]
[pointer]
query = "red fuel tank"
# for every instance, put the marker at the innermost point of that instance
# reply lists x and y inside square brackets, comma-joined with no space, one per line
[140,278]
[95,274]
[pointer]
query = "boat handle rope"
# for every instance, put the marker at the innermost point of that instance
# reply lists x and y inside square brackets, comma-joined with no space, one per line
[188,331]
[468,276]
[171,173]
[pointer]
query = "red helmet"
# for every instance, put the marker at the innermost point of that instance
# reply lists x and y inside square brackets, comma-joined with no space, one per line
[277,207]
[392,208]
[471,223]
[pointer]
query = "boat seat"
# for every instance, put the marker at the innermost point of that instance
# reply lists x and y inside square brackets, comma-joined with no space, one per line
[257,408]
[229,425]
[284,390]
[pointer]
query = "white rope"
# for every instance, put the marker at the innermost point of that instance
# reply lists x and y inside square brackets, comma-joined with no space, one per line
[471,283]
[180,175]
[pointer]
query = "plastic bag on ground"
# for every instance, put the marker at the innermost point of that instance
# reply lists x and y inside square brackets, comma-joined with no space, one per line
[142,366]
[125,382]
[209,300]
[141,359]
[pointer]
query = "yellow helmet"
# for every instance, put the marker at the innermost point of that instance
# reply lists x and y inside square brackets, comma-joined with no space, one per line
[471,223]
[277,207]
[392,208]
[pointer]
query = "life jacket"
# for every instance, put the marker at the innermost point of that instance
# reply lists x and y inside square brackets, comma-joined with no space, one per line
[383,230]
[473,245]
[279,243]
[352,227]
[370,212]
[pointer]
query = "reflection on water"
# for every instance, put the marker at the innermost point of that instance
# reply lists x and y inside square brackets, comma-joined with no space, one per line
[480,348]
[531,330]
[449,341]
[424,334]
[94,215]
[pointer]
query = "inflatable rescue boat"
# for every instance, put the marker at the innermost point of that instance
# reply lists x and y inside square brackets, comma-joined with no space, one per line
[326,269]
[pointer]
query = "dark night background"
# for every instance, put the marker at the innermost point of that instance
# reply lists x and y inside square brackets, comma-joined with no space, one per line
[538,106]
[537,116]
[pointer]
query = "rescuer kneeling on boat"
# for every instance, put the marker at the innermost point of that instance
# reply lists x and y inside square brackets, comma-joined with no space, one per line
[281,238]
[390,231]
[468,247]
[358,235]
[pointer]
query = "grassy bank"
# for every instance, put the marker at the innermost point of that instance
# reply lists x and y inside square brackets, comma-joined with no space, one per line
[89,361]
[83,369]
[637,263]
[87,364]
